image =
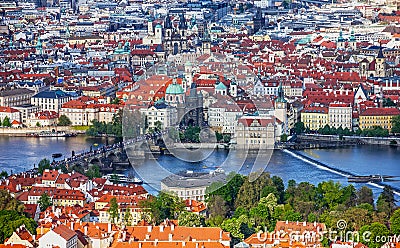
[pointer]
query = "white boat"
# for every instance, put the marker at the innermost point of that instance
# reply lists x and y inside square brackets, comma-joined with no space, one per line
[121,178]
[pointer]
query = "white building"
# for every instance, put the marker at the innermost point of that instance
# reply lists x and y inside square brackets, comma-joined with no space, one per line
[223,114]
[50,100]
[60,236]
[340,115]
[161,112]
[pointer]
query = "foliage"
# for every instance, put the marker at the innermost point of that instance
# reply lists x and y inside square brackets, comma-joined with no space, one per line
[375,230]
[387,102]
[3,174]
[6,122]
[43,165]
[128,216]
[396,124]
[219,136]
[249,193]
[116,101]
[163,206]
[44,202]
[7,202]
[10,220]
[299,127]
[365,195]
[190,219]
[395,222]
[113,210]
[217,206]
[284,137]
[113,128]
[63,120]
[386,201]
[376,131]
[229,190]
[239,228]
[191,134]
[93,172]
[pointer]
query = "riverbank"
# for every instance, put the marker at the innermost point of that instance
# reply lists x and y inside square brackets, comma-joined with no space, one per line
[6,131]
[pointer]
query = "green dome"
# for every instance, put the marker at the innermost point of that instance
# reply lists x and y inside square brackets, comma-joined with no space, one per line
[220,86]
[174,89]
[158,26]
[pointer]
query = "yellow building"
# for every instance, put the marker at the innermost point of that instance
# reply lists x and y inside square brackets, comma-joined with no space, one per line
[378,117]
[315,118]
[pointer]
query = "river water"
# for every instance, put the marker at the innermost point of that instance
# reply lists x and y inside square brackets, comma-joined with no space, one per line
[21,153]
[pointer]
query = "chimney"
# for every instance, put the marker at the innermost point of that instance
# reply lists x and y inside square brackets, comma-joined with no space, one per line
[161,228]
[72,225]
[287,222]
[197,245]
[41,230]
[172,227]
[85,230]
[149,228]
[124,235]
[109,228]
[34,237]
[170,237]
[140,245]
[183,244]
[304,223]
[315,223]
[220,234]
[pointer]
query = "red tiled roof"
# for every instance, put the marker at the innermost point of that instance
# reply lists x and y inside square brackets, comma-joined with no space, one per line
[380,112]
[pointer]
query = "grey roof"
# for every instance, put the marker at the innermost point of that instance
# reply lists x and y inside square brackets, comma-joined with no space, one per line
[52,94]
[15,92]
[193,180]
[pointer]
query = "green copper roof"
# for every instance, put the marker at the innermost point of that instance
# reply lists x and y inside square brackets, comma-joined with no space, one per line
[174,89]
[220,86]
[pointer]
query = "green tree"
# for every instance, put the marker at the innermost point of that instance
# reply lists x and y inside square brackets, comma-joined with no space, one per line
[158,125]
[63,120]
[226,138]
[227,191]
[374,230]
[38,124]
[43,165]
[6,122]
[365,195]
[218,136]
[387,102]
[128,216]
[250,192]
[284,137]
[190,219]
[3,174]
[44,202]
[386,201]
[299,127]
[217,206]
[7,202]
[93,172]
[163,206]
[395,222]
[116,101]
[10,220]
[331,194]
[113,210]
[396,124]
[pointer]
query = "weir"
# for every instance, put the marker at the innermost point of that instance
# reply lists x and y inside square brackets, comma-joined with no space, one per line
[337,171]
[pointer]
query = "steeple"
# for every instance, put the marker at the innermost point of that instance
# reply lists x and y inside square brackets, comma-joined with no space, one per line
[380,53]
[167,23]
[352,38]
[281,94]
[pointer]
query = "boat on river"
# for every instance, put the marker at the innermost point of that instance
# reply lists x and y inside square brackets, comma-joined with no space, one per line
[50,134]
[121,178]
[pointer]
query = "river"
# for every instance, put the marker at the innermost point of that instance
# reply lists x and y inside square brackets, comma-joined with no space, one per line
[21,153]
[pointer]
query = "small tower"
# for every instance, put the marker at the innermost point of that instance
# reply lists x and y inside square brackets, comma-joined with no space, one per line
[150,30]
[341,42]
[352,41]
[233,89]
[182,25]
[39,47]
[158,34]
[220,88]
[281,107]
[206,42]
[380,64]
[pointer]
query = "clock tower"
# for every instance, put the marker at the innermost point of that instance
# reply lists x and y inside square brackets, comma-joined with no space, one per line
[281,108]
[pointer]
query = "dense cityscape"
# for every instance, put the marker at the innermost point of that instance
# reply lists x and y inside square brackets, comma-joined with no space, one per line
[94,94]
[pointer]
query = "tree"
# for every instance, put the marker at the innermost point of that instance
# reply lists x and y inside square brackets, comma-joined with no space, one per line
[43,165]
[163,206]
[113,210]
[190,219]
[365,195]
[299,127]
[218,136]
[250,192]
[63,120]
[396,124]
[284,137]
[93,172]
[395,222]
[158,125]
[116,101]
[7,202]
[388,102]
[3,174]
[127,216]
[44,202]
[375,230]
[10,220]
[6,122]
[217,206]
[38,124]
[386,201]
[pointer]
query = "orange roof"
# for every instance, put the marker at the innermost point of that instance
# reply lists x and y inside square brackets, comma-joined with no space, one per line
[64,232]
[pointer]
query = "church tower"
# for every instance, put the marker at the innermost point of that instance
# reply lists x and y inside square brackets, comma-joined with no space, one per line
[281,108]
[352,41]
[206,42]
[341,42]
[380,64]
